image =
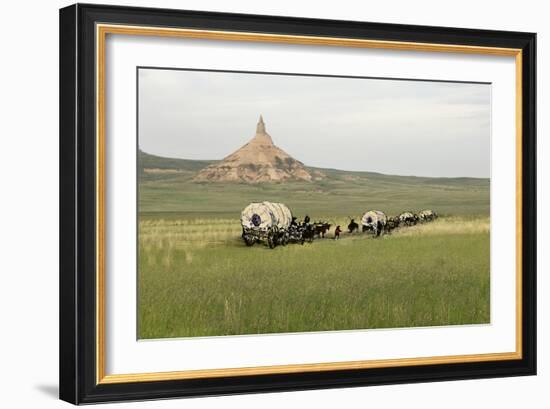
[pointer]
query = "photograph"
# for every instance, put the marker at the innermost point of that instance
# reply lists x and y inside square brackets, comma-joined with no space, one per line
[274,203]
[254,202]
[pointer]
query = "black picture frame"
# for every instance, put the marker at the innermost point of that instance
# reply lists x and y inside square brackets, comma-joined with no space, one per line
[78,359]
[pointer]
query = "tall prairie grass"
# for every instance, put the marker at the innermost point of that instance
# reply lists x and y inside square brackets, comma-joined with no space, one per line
[197,278]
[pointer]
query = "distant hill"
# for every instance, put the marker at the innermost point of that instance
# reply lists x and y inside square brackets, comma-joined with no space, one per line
[148,161]
[169,186]
[157,164]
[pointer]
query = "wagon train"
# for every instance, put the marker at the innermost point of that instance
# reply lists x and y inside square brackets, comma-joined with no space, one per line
[273,224]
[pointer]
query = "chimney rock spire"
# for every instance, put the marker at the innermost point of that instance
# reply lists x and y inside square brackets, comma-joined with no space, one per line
[260,128]
[257,161]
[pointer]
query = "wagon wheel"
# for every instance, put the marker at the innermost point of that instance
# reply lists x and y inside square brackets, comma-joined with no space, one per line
[248,240]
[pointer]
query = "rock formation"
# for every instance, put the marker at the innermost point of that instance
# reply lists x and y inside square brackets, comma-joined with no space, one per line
[258,161]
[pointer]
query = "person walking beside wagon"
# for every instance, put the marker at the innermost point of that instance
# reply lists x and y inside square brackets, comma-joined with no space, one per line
[337,233]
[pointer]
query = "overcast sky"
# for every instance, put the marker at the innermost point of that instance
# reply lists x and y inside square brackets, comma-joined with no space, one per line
[395,127]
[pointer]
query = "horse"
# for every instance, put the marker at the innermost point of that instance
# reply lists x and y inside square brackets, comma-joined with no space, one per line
[352,226]
[320,228]
[308,232]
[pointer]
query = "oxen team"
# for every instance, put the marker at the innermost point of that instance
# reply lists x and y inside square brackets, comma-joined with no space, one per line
[374,222]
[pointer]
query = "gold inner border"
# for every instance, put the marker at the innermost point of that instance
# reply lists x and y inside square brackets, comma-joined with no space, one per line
[101,33]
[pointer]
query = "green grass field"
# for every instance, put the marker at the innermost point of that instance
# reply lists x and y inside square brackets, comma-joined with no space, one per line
[197,278]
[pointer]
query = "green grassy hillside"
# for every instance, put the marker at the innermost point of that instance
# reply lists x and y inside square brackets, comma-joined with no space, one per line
[166,186]
[148,161]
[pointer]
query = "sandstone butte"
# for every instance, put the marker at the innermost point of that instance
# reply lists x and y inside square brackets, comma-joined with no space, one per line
[258,161]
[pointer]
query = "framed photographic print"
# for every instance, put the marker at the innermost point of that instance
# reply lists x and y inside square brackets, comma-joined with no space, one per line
[257,203]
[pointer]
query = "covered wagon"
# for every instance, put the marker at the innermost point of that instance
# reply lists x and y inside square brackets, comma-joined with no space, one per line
[374,221]
[266,222]
[427,215]
[408,219]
